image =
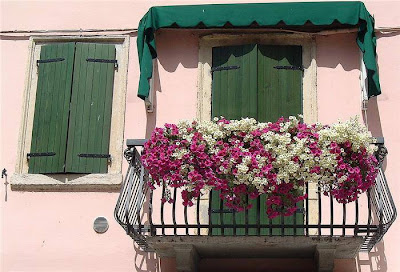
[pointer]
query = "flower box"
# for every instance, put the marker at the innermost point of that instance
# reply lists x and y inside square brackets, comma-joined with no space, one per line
[245,158]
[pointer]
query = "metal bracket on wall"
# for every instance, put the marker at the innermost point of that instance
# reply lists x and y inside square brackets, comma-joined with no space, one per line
[4,175]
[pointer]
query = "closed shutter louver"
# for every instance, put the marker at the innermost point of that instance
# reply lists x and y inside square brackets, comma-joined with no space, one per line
[49,133]
[235,89]
[91,102]
[234,95]
[279,94]
[267,85]
[279,90]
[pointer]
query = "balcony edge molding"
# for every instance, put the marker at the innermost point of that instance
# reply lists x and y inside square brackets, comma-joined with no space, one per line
[256,246]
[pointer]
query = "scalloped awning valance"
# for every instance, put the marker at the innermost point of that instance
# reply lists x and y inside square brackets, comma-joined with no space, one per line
[321,15]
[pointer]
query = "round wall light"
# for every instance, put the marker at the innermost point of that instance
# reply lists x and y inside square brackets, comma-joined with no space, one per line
[100,224]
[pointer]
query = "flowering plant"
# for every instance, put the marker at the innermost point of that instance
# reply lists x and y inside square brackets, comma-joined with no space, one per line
[243,158]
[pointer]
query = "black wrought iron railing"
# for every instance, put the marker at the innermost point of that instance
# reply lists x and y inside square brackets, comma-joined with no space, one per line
[142,213]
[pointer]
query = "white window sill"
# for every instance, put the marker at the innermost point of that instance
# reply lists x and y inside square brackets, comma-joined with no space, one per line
[67,182]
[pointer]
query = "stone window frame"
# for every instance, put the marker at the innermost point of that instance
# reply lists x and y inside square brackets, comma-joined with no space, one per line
[110,181]
[309,86]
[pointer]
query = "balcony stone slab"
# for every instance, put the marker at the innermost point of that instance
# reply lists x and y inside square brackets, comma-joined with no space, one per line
[257,247]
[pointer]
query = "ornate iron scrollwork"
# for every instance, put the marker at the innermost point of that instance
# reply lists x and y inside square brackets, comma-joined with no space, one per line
[129,154]
[380,154]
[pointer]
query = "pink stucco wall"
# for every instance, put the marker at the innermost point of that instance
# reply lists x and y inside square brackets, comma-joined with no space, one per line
[52,231]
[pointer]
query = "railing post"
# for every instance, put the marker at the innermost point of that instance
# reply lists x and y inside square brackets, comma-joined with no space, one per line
[139,198]
[130,157]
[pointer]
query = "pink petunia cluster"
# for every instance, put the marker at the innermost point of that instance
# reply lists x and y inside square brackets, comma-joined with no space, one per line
[359,170]
[247,163]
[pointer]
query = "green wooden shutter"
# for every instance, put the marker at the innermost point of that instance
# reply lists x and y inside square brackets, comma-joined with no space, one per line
[90,117]
[235,89]
[279,94]
[279,90]
[257,89]
[234,95]
[50,124]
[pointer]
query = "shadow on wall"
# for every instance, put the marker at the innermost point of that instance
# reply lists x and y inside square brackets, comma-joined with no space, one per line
[14,38]
[338,49]
[376,260]
[152,116]
[146,261]
[176,47]
[150,261]
[256,265]
[373,119]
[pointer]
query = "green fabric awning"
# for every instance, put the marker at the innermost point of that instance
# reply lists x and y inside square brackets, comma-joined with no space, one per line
[263,15]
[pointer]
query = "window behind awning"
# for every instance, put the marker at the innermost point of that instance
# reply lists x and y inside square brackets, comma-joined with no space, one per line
[314,16]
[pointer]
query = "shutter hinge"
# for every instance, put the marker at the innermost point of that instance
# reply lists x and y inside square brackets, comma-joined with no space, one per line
[222,68]
[222,211]
[104,61]
[289,68]
[100,156]
[49,60]
[41,154]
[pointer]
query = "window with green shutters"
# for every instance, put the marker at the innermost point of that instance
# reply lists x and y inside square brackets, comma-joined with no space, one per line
[263,82]
[72,119]
[259,81]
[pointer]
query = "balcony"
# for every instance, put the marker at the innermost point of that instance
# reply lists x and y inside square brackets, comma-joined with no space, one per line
[321,226]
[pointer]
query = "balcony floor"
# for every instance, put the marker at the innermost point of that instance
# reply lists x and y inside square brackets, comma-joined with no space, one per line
[255,246]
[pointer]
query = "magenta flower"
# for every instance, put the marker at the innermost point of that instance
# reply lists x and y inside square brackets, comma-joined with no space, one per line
[241,168]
